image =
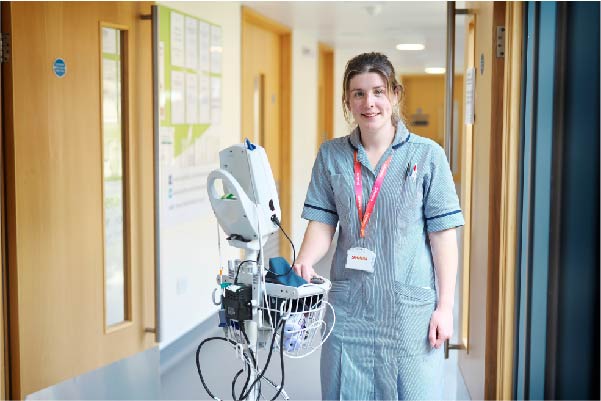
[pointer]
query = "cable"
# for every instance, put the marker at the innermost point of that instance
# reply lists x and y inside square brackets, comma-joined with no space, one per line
[219,247]
[276,221]
[281,364]
[260,376]
[236,379]
[252,364]
[252,357]
[248,363]
[198,361]
[238,269]
[266,301]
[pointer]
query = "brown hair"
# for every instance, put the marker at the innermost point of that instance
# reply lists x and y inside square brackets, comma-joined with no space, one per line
[378,63]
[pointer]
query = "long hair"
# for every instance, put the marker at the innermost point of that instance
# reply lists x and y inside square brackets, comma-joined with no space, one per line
[378,63]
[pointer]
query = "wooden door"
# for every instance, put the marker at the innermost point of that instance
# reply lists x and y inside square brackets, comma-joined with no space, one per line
[467,155]
[325,93]
[424,105]
[266,104]
[475,205]
[56,171]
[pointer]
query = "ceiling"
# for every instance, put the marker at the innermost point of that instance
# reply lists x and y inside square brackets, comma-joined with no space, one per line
[352,27]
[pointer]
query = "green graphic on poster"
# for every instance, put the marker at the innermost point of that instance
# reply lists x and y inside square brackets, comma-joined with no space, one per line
[190,73]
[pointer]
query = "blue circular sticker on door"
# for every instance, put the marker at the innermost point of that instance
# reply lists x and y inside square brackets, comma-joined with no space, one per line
[59,67]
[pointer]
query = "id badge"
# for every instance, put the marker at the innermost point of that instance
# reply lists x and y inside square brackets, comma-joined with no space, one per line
[360,259]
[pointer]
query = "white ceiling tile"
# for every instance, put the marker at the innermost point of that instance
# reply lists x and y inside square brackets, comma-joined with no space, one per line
[347,26]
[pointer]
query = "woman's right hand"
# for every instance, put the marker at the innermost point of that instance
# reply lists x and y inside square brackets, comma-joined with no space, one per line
[306,271]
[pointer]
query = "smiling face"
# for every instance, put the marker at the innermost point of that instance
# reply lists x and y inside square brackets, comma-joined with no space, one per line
[370,103]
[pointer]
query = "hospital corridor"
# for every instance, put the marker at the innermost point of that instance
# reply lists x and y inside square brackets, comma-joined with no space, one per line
[300,200]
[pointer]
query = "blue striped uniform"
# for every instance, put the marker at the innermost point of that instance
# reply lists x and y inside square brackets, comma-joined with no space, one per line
[379,348]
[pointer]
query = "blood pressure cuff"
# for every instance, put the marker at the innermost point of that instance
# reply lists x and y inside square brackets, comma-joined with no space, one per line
[280,273]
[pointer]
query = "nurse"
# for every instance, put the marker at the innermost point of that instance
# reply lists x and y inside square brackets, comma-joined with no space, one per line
[393,274]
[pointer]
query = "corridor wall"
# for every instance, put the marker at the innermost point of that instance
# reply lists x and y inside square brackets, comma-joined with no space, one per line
[189,251]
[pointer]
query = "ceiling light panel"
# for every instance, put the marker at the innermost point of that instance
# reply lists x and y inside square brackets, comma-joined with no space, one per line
[435,70]
[410,46]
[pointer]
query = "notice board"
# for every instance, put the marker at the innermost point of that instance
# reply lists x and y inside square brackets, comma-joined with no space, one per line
[189,67]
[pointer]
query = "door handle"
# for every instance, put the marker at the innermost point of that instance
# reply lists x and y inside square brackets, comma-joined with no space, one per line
[448,346]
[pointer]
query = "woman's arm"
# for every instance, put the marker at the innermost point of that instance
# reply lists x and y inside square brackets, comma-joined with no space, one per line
[316,243]
[444,253]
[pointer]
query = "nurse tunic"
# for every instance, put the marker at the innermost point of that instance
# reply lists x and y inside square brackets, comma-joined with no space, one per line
[379,348]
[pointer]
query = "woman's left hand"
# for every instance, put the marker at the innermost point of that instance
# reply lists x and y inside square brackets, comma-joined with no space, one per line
[441,326]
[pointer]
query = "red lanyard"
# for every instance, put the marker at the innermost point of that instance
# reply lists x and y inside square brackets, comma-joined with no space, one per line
[375,191]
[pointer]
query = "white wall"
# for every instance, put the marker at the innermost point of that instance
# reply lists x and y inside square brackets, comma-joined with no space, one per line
[341,127]
[189,252]
[304,124]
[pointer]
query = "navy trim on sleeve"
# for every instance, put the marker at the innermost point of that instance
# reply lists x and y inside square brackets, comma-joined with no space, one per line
[322,209]
[442,215]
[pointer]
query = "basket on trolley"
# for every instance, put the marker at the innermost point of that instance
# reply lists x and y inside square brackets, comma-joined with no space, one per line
[301,310]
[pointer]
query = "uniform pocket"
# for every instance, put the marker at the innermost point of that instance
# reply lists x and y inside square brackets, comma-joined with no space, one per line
[409,203]
[415,306]
[338,295]
[416,295]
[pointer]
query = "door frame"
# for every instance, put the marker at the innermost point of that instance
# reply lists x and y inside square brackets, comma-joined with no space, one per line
[12,387]
[250,16]
[4,365]
[495,228]
[325,93]
[510,199]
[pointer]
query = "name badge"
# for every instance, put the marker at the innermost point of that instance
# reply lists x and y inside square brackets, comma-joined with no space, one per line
[360,259]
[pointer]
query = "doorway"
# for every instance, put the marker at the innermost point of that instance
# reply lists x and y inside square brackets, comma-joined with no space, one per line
[325,95]
[266,93]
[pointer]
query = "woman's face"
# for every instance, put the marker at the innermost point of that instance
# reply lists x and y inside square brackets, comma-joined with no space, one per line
[370,103]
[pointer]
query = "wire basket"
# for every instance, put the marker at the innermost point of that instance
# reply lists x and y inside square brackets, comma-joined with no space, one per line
[301,310]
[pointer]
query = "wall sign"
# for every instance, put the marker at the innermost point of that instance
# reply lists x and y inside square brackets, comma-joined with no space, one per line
[190,82]
[419,119]
[470,83]
[482,64]
[59,67]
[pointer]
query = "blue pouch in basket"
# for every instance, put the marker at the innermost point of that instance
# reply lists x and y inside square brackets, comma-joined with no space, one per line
[280,273]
